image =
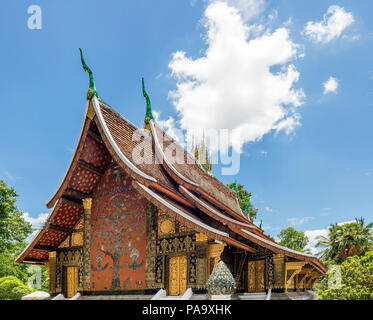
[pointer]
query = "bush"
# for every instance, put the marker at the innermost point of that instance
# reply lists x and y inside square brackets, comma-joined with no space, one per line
[11,288]
[356,280]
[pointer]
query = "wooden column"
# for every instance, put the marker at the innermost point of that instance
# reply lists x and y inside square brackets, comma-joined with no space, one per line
[87,204]
[52,271]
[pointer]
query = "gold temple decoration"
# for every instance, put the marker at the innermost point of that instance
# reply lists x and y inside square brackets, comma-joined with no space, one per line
[52,254]
[72,281]
[77,239]
[200,237]
[166,227]
[256,276]
[311,278]
[293,268]
[301,277]
[91,111]
[65,243]
[87,203]
[177,275]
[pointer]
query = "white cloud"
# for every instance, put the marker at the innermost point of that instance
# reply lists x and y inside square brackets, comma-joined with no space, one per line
[11,176]
[268,209]
[313,236]
[169,127]
[232,86]
[299,221]
[331,85]
[37,222]
[247,8]
[335,21]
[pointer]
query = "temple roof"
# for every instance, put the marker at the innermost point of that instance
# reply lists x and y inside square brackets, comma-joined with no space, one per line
[181,188]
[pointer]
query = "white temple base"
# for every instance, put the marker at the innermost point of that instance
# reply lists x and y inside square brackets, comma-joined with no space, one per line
[221,297]
[37,295]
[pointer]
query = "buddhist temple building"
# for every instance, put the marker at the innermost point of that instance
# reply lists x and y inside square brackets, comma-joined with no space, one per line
[130,217]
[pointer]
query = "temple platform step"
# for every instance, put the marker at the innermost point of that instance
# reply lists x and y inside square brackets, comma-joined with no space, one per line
[252,296]
[280,296]
[306,295]
[116,297]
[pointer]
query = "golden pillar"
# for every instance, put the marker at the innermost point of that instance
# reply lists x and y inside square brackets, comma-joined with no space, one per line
[87,205]
[52,271]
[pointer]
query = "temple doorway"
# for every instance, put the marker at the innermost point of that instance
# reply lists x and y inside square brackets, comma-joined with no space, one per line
[177,275]
[71,281]
[256,276]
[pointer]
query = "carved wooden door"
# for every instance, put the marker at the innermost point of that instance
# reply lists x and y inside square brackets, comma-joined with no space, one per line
[71,281]
[177,275]
[256,276]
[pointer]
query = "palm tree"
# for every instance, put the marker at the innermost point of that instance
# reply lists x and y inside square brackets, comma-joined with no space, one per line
[345,241]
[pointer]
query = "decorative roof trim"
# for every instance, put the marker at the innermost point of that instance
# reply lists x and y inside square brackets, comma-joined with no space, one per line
[179,178]
[187,193]
[222,205]
[31,245]
[181,213]
[294,253]
[277,245]
[74,159]
[113,144]
[172,195]
[185,218]
[163,159]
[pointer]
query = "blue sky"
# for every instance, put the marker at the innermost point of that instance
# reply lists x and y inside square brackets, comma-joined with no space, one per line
[318,173]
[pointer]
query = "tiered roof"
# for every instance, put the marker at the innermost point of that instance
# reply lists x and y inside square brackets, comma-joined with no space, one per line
[181,188]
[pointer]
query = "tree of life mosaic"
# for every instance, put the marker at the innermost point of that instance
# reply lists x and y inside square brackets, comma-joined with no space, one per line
[118,234]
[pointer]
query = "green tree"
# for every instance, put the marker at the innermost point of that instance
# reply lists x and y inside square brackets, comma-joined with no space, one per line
[345,241]
[355,276]
[293,239]
[244,200]
[12,288]
[14,230]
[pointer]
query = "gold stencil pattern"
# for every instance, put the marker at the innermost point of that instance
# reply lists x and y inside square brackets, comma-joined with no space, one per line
[83,180]
[38,254]
[51,238]
[77,239]
[66,216]
[94,153]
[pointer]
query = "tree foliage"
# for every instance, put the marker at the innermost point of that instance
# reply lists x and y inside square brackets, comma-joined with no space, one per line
[293,239]
[345,241]
[13,228]
[244,200]
[11,288]
[353,281]
[13,232]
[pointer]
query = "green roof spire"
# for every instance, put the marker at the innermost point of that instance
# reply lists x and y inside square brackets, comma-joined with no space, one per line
[149,114]
[148,104]
[92,88]
[261,222]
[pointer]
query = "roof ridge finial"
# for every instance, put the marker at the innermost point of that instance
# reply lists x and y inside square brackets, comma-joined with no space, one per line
[149,114]
[92,88]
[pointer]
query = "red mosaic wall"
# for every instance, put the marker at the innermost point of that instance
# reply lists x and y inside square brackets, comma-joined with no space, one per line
[118,234]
